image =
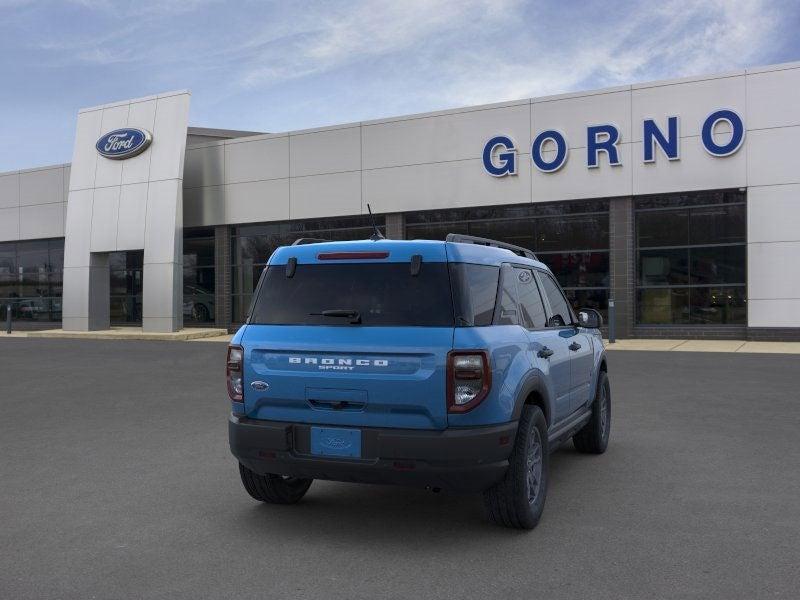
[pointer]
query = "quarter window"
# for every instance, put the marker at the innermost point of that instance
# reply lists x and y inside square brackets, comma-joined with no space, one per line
[558,305]
[507,298]
[530,301]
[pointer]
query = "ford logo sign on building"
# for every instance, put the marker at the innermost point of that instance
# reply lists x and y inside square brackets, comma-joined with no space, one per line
[123,143]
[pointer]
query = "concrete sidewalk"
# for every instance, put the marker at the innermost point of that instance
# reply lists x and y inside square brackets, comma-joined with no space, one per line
[122,333]
[706,346]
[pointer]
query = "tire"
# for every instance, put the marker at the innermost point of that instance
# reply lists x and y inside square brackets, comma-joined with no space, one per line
[512,502]
[273,489]
[593,437]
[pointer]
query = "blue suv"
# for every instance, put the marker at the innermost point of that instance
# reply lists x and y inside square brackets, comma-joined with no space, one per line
[453,365]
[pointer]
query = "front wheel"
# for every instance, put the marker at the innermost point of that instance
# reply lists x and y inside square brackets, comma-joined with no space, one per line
[593,437]
[273,489]
[518,500]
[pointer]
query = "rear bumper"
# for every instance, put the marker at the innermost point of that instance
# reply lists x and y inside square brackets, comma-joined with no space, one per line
[460,459]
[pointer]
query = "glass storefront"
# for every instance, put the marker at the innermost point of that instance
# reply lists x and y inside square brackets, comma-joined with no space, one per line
[252,246]
[31,275]
[198,277]
[569,237]
[126,287]
[691,259]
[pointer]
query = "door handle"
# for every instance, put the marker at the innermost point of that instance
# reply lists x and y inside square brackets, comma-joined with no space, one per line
[545,353]
[574,346]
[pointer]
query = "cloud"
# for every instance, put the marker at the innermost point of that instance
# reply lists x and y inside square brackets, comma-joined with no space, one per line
[275,65]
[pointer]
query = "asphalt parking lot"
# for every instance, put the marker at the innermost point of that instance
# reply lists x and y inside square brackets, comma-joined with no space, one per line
[116,482]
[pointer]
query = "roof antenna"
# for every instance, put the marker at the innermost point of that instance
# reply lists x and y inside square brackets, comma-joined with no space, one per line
[377,235]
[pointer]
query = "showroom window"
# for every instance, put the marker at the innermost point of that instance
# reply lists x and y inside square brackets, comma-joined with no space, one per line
[125,269]
[31,275]
[252,246]
[569,237]
[198,276]
[691,259]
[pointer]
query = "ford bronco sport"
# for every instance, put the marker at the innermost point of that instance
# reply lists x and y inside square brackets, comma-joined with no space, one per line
[453,365]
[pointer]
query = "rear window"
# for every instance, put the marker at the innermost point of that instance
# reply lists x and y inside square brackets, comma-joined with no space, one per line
[383,294]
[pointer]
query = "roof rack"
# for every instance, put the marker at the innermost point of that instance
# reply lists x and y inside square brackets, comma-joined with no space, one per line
[304,241]
[472,239]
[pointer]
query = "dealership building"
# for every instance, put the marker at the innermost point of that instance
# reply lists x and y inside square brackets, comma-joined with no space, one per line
[678,201]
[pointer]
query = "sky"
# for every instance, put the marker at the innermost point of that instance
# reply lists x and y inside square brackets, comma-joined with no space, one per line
[283,65]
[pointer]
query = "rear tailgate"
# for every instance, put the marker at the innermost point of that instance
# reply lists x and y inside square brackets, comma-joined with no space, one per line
[347,375]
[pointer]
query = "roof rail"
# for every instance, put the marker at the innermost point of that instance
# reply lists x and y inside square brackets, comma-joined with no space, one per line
[472,239]
[304,241]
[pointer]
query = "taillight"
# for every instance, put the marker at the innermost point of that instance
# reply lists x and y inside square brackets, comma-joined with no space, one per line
[468,379]
[233,372]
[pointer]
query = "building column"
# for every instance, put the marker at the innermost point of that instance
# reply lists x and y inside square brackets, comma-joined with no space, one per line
[86,302]
[395,226]
[621,263]
[222,276]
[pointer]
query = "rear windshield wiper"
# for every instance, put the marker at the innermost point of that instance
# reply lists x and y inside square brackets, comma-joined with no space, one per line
[353,315]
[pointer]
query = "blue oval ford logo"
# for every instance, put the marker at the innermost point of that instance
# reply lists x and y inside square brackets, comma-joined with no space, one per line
[123,143]
[336,443]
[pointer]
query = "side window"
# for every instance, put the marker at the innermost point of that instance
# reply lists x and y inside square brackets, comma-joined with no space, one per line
[474,292]
[506,313]
[530,301]
[558,304]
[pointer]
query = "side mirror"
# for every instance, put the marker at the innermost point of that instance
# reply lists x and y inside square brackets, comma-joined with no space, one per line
[590,318]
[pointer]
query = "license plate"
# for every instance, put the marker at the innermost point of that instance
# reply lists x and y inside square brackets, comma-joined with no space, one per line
[331,441]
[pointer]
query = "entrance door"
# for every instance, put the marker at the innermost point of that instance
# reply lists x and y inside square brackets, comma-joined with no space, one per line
[126,287]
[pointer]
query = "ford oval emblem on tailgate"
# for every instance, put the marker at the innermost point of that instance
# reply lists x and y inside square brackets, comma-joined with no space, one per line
[260,385]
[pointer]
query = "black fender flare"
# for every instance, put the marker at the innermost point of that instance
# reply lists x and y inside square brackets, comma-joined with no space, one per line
[534,382]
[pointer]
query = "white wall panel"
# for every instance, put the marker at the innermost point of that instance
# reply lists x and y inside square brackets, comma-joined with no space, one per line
[772,270]
[41,221]
[773,156]
[572,115]
[328,151]
[141,115]
[132,212]
[84,157]
[696,170]
[325,195]
[162,235]
[257,160]
[79,214]
[44,186]
[257,201]
[109,171]
[773,99]
[773,313]
[169,137]
[9,224]
[105,218]
[75,303]
[575,180]
[692,101]
[442,185]
[443,138]
[9,190]
[773,213]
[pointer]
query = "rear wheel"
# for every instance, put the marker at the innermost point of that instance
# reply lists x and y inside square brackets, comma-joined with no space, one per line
[274,489]
[593,437]
[518,500]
